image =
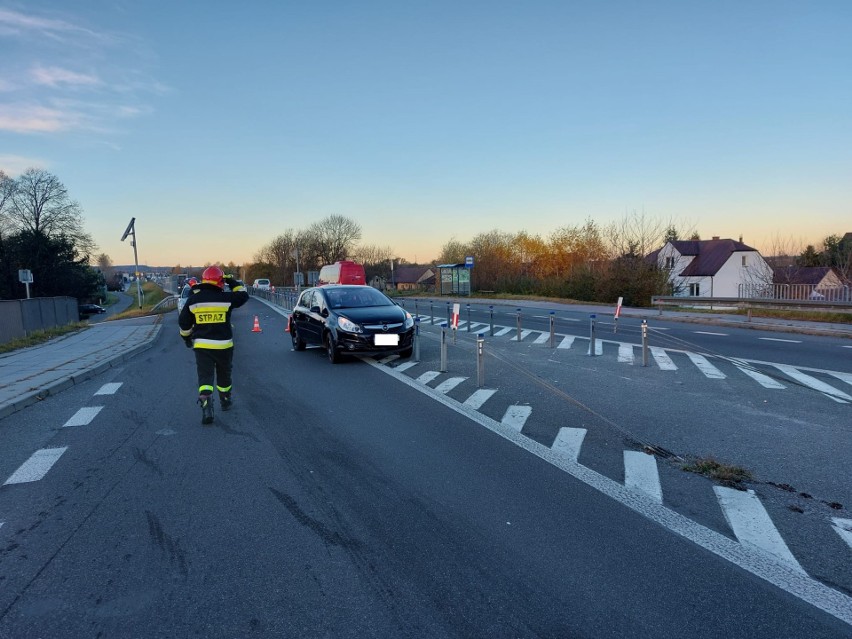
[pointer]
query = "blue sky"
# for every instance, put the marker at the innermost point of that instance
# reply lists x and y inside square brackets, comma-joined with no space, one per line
[220,125]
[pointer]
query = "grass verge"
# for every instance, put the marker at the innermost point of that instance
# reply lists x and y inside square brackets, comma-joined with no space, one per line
[151,296]
[40,337]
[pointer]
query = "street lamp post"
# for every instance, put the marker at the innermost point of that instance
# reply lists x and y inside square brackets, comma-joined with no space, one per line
[131,230]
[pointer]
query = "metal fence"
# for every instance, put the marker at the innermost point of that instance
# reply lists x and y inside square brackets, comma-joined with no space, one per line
[795,292]
[20,318]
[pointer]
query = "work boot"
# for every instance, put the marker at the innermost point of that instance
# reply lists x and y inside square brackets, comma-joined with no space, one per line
[206,404]
[226,401]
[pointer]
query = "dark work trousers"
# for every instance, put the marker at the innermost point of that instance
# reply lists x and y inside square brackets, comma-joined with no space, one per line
[214,363]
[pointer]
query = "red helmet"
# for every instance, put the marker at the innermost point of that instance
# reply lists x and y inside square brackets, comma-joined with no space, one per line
[191,282]
[213,275]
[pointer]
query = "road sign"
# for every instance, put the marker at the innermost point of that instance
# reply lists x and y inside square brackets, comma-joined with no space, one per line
[25,276]
[468,261]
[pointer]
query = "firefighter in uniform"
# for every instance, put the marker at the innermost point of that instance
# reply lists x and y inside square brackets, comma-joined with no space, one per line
[205,326]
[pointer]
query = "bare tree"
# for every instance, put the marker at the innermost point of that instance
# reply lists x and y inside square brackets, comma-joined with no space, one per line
[40,203]
[333,238]
[7,188]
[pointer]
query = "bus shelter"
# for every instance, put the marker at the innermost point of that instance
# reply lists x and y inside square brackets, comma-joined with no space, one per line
[454,279]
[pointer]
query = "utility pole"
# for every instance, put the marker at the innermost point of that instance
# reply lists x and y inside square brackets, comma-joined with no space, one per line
[131,230]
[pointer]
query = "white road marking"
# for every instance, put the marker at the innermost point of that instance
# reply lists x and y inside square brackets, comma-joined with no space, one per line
[447,385]
[641,473]
[541,339]
[475,326]
[503,331]
[663,360]
[625,353]
[428,376]
[844,377]
[598,347]
[109,389]
[704,365]
[752,525]
[388,359]
[756,562]
[760,378]
[778,339]
[516,416]
[844,529]
[709,333]
[569,441]
[405,366]
[83,416]
[479,397]
[566,342]
[846,346]
[525,332]
[36,466]
[571,319]
[832,393]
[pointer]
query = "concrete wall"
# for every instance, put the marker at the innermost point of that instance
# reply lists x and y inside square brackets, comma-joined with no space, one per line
[19,318]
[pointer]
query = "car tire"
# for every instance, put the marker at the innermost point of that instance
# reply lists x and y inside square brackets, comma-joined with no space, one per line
[407,352]
[298,342]
[331,350]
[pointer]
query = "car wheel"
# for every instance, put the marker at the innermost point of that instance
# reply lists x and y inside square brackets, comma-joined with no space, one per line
[298,342]
[407,352]
[330,350]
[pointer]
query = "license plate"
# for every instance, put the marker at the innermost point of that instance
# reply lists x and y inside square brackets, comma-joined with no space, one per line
[386,340]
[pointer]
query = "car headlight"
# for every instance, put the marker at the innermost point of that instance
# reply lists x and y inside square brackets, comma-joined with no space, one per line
[346,324]
[409,321]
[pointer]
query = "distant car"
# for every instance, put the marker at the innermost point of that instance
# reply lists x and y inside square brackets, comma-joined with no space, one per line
[91,309]
[347,319]
[185,292]
[262,284]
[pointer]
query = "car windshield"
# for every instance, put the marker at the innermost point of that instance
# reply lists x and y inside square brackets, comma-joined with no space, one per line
[355,297]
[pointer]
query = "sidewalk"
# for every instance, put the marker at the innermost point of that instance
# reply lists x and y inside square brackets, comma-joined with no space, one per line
[30,374]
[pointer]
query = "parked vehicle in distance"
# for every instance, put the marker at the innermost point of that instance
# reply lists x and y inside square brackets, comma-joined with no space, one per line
[343,272]
[262,284]
[87,310]
[185,292]
[346,319]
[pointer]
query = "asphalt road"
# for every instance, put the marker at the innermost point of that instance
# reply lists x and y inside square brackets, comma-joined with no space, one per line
[343,501]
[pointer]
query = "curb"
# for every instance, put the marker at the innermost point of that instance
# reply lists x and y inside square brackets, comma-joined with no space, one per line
[57,387]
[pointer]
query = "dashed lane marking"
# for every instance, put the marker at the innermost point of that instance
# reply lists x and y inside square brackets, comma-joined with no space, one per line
[109,389]
[479,397]
[844,529]
[447,385]
[566,342]
[663,360]
[704,365]
[428,376]
[516,416]
[752,525]
[778,339]
[760,378]
[640,473]
[710,333]
[36,466]
[829,391]
[83,416]
[569,441]
[757,562]
[542,338]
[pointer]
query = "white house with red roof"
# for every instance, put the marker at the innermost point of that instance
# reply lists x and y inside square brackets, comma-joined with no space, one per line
[712,268]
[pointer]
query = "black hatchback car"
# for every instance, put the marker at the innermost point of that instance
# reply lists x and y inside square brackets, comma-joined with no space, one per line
[356,320]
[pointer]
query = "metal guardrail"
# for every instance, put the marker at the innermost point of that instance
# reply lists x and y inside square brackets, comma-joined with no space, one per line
[746,303]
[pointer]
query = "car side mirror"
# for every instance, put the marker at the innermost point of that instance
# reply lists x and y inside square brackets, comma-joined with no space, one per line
[315,309]
[324,312]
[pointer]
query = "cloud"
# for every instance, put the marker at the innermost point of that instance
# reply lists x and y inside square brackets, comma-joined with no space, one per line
[14,165]
[54,76]
[26,118]
[15,23]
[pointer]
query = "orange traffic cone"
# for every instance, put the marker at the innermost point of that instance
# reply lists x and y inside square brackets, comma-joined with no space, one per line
[256,328]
